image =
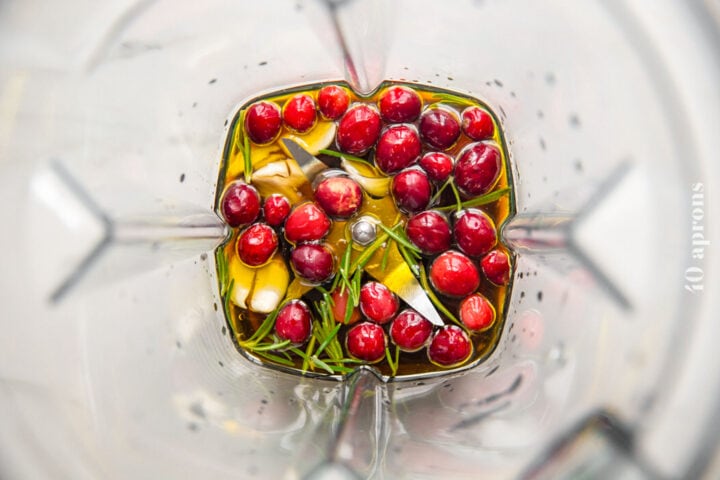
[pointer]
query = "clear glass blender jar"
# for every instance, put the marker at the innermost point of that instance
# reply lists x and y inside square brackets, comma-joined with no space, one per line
[115,364]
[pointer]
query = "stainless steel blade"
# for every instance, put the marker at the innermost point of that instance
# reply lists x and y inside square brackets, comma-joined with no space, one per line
[309,164]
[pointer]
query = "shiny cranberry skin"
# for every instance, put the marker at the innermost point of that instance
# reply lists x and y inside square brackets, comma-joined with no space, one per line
[312,262]
[410,331]
[496,267]
[333,101]
[477,123]
[475,232]
[429,231]
[263,122]
[240,204]
[306,223]
[400,105]
[378,303]
[366,341]
[294,322]
[478,168]
[299,113]
[439,128]
[437,165]
[449,347]
[358,130]
[256,244]
[411,190]
[398,148]
[455,275]
[477,313]
[339,196]
[276,209]
[340,304]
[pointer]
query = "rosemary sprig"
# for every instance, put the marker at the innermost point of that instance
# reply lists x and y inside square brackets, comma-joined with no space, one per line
[335,154]
[433,298]
[452,98]
[411,261]
[389,359]
[228,292]
[365,256]
[275,358]
[400,238]
[456,194]
[262,331]
[222,270]
[246,153]
[308,353]
[441,190]
[329,338]
[263,347]
[481,200]
[386,255]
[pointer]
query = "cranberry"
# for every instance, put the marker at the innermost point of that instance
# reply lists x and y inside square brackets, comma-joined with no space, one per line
[313,262]
[411,190]
[294,322]
[339,307]
[358,130]
[399,105]
[475,232]
[449,347]
[276,209]
[398,147]
[429,231]
[240,204]
[454,274]
[410,331]
[333,101]
[256,244]
[263,122]
[496,267]
[339,196]
[478,168]
[306,223]
[477,313]
[477,123]
[366,341]
[378,303]
[438,165]
[299,113]
[439,128]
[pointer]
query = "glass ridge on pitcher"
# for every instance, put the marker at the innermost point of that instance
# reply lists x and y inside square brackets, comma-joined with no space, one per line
[365,230]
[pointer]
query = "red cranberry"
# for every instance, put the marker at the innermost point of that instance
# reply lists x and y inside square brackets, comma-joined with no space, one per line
[299,113]
[276,209]
[478,168]
[366,341]
[477,123]
[240,204]
[294,322]
[399,105]
[411,190]
[453,274]
[339,196]
[263,122]
[333,101]
[306,223]
[398,147]
[496,267]
[429,231]
[358,130]
[378,303]
[313,262]
[475,232]
[439,128]
[256,244]
[438,165]
[339,306]
[410,331]
[477,313]
[450,346]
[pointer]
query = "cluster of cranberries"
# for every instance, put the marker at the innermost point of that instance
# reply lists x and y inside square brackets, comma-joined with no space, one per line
[421,149]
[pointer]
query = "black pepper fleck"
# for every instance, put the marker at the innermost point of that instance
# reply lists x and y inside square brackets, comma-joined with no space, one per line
[212,80]
[182,177]
[262,64]
[539,296]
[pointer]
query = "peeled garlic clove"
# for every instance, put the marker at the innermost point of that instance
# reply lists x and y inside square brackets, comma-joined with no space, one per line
[377,187]
[271,283]
[243,280]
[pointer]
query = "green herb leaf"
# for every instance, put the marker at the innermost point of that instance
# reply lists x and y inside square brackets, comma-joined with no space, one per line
[409,260]
[262,347]
[263,330]
[228,292]
[330,336]
[400,238]
[481,200]
[365,256]
[458,202]
[442,189]
[447,97]
[389,358]
[246,153]
[275,358]
[335,154]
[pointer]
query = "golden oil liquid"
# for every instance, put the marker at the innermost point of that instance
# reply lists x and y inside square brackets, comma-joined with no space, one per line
[294,185]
